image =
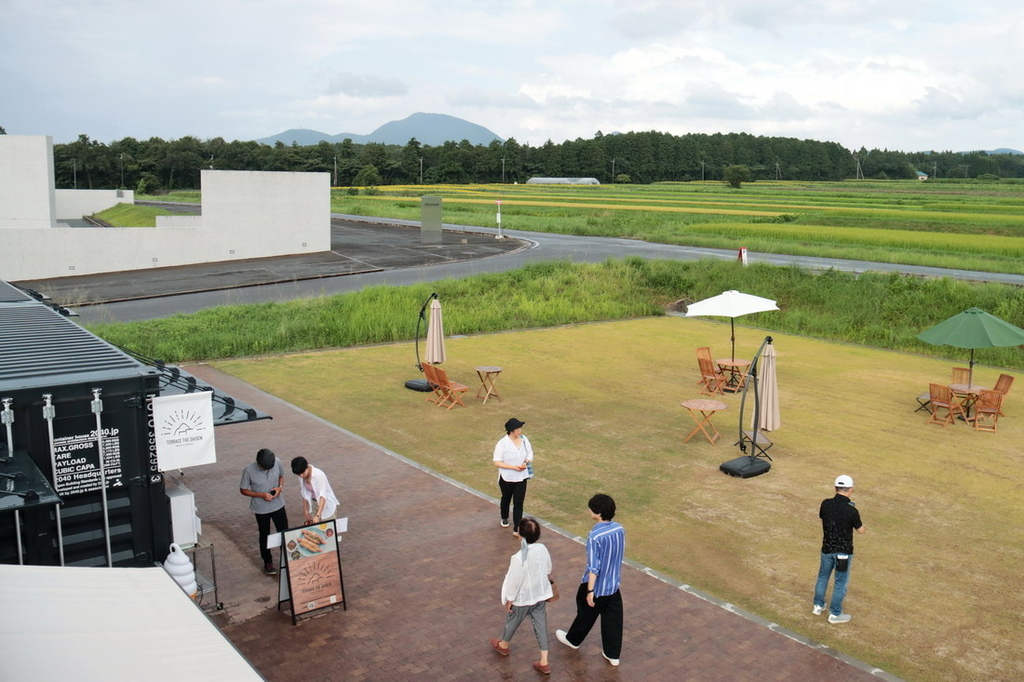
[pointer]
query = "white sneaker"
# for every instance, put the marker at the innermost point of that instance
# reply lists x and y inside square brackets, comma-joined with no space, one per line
[560,636]
[817,610]
[613,661]
[841,618]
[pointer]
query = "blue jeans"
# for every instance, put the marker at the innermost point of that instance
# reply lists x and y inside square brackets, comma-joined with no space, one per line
[828,564]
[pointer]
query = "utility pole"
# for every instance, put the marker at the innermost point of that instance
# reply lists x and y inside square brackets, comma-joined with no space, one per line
[702,170]
[860,173]
[778,173]
[121,156]
[613,170]
[335,170]
[74,172]
[421,170]
[503,170]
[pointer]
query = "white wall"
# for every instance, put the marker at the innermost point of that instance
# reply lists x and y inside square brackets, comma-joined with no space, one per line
[26,182]
[246,214]
[73,204]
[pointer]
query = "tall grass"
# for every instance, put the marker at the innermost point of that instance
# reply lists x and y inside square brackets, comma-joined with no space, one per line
[881,310]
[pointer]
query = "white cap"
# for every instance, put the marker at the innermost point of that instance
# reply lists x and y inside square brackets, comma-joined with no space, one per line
[844,481]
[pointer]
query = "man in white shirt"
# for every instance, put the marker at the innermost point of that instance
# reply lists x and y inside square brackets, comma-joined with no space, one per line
[318,500]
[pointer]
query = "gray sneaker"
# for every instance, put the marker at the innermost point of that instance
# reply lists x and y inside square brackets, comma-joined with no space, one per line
[841,618]
[560,636]
[613,661]
[504,523]
[817,610]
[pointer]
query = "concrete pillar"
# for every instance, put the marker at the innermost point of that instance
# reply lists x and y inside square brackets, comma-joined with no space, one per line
[430,221]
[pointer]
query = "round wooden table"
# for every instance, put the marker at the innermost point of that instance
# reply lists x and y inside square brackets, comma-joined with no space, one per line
[706,408]
[737,371]
[488,376]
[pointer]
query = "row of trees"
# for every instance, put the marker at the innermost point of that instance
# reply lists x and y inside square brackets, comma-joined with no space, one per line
[643,157]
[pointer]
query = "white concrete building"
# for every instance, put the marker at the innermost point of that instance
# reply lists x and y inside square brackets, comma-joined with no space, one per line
[245,214]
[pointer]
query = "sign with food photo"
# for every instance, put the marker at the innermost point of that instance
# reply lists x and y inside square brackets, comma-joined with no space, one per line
[314,567]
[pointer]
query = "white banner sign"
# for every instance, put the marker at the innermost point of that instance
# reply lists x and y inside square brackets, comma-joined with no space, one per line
[183,426]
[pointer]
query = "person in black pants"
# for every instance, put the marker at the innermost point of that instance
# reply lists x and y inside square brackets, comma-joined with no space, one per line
[512,456]
[598,595]
[263,482]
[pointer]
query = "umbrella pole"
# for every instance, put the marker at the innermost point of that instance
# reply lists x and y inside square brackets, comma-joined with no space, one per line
[970,370]
[732,337]
[420,384]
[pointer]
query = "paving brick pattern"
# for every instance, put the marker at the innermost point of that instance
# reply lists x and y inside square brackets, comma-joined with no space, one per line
[423,562]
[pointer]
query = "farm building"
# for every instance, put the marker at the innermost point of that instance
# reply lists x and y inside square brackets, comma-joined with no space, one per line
[563,181]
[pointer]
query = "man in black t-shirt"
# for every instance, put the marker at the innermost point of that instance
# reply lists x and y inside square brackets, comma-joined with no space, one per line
[839,518]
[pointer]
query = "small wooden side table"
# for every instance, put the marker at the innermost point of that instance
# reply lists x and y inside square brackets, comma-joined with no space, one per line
[706,408]
[488,377]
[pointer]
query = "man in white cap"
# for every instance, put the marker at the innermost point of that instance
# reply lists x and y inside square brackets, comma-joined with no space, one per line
[839,518]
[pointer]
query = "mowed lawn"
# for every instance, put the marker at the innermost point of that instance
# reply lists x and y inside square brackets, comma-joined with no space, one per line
[935,591]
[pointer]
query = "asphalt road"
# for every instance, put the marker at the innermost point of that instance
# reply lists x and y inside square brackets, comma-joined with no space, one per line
[391,254]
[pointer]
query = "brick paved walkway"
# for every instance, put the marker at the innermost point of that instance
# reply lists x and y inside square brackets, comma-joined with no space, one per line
[423,562]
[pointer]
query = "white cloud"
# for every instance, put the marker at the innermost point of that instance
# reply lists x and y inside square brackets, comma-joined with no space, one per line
[936,74]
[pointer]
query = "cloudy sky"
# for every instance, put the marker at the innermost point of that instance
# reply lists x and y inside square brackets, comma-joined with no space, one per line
[927,74]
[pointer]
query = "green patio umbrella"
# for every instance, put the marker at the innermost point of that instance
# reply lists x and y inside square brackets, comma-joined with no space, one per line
[973,328]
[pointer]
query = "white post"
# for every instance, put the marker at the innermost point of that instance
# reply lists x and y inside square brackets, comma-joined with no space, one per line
[498,202]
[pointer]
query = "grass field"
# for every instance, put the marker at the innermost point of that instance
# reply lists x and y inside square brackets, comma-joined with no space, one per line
[957,225]
[934,590]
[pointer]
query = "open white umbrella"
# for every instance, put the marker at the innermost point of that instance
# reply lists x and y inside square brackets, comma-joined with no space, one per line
[767,393]
[730,304]
[435,335]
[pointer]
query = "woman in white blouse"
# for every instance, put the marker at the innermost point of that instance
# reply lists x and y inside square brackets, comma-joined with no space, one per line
[525,592]
[512,454]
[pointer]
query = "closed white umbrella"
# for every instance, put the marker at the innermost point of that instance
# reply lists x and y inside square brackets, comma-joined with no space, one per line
[435,335]
[767,393]
[730,304]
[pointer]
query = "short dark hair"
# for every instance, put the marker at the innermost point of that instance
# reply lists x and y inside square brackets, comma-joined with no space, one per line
[299,465]
[603,505]
[529,529]
[265,459]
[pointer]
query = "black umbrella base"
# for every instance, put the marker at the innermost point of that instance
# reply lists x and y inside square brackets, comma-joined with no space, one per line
[420,385]
[745,467]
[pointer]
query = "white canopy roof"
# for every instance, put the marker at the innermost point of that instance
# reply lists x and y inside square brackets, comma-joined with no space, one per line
[106,624]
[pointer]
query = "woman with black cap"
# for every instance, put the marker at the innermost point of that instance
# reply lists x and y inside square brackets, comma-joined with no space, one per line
[512,454]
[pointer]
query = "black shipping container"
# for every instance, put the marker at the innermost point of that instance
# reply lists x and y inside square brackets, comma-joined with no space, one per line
[43,354]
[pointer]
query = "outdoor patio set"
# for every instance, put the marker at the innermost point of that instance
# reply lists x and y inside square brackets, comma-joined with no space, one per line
[947,403]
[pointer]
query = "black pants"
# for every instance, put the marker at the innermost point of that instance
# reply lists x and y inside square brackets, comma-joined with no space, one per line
[609,609]
[515,492]
[280,519]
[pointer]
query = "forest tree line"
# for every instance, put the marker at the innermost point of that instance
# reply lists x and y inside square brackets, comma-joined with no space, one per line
[640,157]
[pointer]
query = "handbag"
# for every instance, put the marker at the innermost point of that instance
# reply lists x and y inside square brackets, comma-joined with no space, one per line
[554,592]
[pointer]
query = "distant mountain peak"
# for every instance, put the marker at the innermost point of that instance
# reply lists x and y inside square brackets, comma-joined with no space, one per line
[428,129]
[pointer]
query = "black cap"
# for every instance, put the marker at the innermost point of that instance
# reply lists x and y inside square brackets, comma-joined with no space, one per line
[513,424]
[265,459]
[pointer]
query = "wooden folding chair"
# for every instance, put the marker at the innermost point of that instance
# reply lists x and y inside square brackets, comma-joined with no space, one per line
[1003,384]
[986,410]
[704,353]
[942,399]
[451,391]
[431,376]
[714,382]
[960,375]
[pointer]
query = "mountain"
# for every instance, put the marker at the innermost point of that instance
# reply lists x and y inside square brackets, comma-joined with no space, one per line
[430,129]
